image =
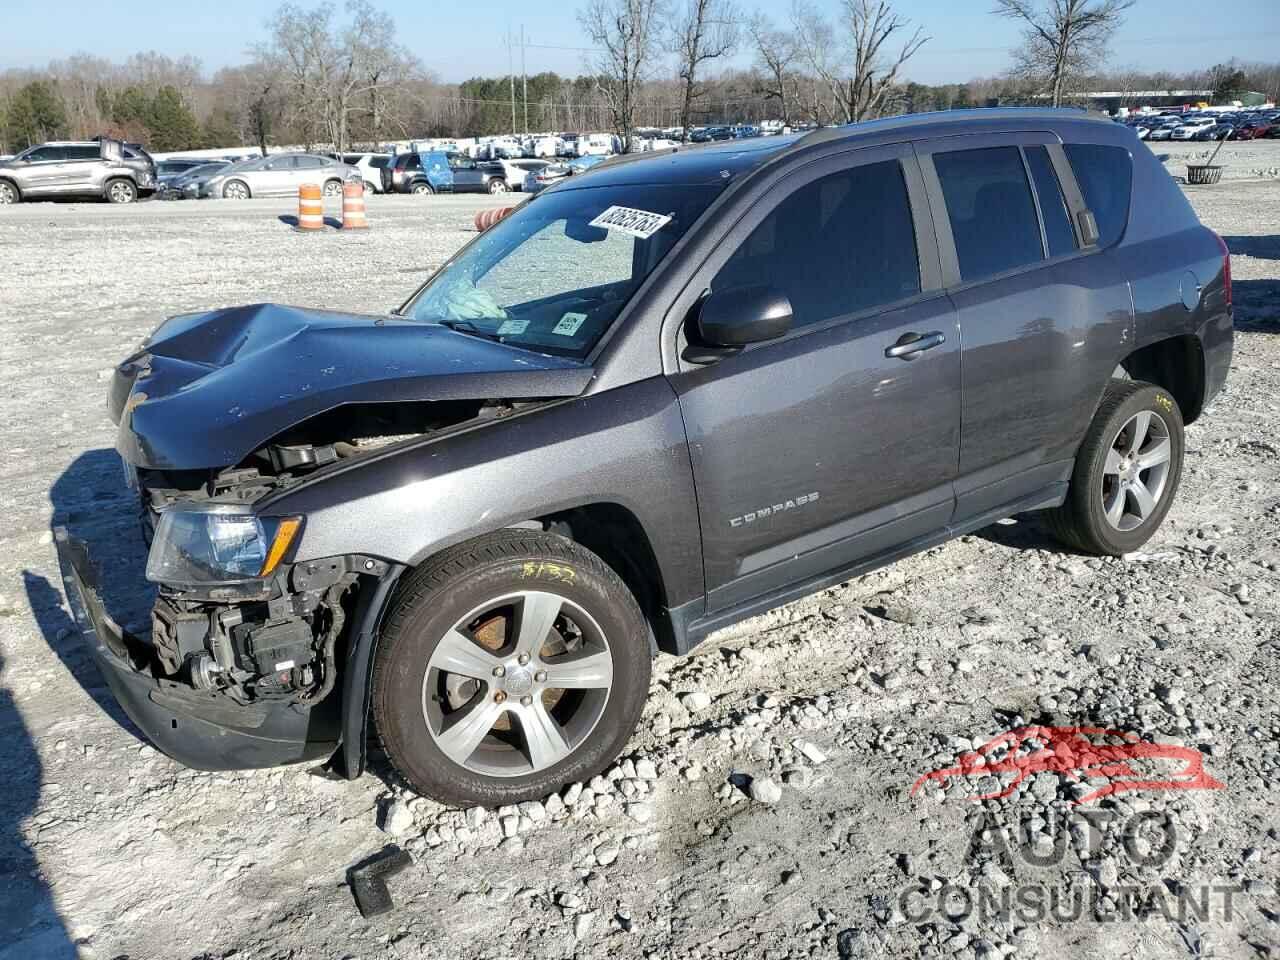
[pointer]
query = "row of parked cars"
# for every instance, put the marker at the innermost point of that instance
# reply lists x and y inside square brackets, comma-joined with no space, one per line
[1241,125]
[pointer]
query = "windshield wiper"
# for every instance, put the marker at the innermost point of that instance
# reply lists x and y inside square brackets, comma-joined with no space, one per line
[466,326]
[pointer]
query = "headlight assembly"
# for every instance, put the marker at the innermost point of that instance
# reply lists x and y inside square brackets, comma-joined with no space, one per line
[217,545]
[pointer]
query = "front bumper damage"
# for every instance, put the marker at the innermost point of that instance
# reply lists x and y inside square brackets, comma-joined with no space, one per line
[200,729]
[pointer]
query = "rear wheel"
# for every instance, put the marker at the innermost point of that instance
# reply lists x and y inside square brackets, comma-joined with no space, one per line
[497,185]
[120,191]
[509,667]
[1126,473]
[421,189]
[333,188]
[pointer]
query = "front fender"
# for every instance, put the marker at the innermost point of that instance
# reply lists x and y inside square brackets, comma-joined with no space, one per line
[625,446]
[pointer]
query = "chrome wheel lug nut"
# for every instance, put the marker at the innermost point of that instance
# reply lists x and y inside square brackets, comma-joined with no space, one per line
[540,676]
[526,701]
[499,671]
[523,659]
[499,697]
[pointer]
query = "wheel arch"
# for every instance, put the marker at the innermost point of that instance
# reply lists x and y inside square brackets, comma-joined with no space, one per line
[1176,364]
[13,183]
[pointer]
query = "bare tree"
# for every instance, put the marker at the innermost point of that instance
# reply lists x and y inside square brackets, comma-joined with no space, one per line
[625,33]
[854,60]
[776,53]
[703,31]
[1062,39]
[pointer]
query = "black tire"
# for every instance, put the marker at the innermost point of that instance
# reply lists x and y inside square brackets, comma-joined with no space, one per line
[435,596]
[120,190]
[421,188]
[498,185]
[1081,521]
[331,188]
[228,186]
[9,193]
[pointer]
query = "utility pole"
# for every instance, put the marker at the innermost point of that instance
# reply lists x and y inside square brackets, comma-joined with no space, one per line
[524,80]
[511,75]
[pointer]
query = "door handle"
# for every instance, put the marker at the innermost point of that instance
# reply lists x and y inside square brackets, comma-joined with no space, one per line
[911,345]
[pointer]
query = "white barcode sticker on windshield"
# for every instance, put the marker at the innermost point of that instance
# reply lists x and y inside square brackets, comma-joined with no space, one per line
[512,327]
[569,324]
[638,223]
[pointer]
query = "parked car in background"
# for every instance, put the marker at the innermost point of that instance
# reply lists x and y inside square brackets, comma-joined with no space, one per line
[1216,131]
[370,166]
[1189,128]
[168,170]
[538,181]
[186,186]
[595,145]
[109,169]
[435,171]
[279,175]
[1252,130]
[515,171]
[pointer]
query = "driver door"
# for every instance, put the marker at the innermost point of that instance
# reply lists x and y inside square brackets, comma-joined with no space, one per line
[829,446]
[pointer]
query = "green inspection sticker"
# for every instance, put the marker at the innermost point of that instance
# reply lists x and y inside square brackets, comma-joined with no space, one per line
[569,324]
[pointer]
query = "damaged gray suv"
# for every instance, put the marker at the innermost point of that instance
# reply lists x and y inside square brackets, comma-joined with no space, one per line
[105,169]
[653,401]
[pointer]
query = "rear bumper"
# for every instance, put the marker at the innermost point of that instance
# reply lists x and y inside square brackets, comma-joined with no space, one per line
[203,730]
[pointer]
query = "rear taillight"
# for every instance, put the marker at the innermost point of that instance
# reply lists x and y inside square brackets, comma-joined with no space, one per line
[1226,269]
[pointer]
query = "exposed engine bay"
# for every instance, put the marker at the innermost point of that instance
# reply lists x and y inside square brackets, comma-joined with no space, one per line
[279,639]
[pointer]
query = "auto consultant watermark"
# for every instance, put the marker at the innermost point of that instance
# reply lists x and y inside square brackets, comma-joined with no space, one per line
[1070,861]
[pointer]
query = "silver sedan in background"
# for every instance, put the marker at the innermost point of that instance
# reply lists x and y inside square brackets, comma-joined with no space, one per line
[278,175]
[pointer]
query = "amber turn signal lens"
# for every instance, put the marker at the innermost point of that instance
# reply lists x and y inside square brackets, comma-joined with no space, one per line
[285,533]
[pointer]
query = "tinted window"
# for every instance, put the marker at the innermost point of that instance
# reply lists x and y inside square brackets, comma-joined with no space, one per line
[378,162]
[309,163]
[83,153]
[993,218]
[836,246]
[1105,175]
[1053,208]
[46,154]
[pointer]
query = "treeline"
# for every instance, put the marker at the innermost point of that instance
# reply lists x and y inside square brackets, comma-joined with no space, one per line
[322,79]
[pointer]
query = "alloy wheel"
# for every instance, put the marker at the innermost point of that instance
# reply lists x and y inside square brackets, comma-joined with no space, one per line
[1136,473]
[517,685]
[8,194]
[120,192]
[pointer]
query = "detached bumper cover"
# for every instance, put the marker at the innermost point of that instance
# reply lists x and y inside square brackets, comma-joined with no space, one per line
[201,730]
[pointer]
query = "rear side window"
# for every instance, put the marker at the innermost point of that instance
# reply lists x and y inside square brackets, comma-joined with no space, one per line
[1105,175]
[993,217]
[836,246]
[1053,208]
[84,153]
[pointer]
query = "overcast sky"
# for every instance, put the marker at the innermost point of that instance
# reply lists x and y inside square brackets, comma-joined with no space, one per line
[460,40]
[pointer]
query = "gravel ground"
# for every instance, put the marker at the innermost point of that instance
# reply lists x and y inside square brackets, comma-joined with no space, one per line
[765,806]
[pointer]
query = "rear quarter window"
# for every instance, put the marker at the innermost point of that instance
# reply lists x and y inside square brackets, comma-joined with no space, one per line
[1105,175]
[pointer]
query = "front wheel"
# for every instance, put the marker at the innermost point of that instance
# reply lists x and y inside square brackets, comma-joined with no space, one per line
[509,666]
[8,193]
[235,190]
[121,191]
[1126,472]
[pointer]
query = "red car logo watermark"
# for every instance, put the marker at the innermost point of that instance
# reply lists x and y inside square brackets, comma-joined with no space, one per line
[1069,751]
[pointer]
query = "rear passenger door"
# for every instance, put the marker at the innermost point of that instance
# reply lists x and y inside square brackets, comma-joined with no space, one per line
[1042,319]
[823,448]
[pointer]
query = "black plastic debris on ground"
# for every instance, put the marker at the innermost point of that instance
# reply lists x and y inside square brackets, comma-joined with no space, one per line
[368,879]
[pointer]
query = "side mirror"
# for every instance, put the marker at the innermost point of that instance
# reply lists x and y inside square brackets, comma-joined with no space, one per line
[732,319]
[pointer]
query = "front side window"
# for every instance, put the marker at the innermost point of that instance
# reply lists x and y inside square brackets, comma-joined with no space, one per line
[993,217]
[839,245]
[549,279]
[1105,175]
[1053,206]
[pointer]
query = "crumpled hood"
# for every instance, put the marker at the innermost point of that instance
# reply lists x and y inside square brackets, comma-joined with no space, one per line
[207,389]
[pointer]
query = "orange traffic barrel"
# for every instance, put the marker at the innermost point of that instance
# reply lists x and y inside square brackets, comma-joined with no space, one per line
[310,207]
[487,218]
[353,217]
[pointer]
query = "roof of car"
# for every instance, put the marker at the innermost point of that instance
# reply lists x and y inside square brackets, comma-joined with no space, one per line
[707,163]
